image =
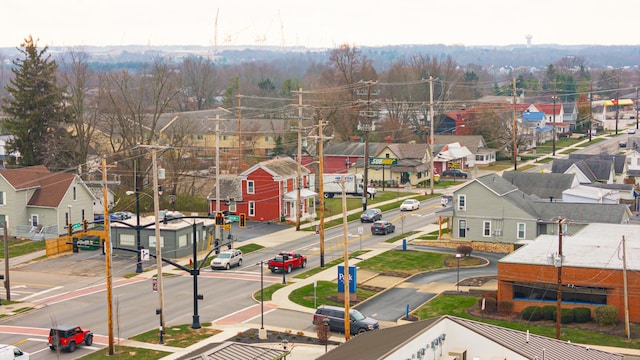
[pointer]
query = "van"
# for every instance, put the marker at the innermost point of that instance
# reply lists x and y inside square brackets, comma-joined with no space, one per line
[10,352]
[335,314]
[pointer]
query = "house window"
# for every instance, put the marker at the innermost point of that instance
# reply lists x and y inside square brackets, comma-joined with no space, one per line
[462,228]
[34,220]
[232,206]
[2,198]
[252,208]
[462,202]
[486,228]
[250,187]
[75,194]
[570,294]
[127,240]
[285,188]
[522,230]
[3,219]
[267,138]
[200,137]
[224,137]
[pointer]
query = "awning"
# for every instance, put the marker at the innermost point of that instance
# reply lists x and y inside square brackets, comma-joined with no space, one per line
[304,193]
[621,102]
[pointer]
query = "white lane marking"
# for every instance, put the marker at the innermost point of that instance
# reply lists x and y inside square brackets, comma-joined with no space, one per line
[41,292]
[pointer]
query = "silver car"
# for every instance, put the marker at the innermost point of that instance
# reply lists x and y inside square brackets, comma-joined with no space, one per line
[226,259]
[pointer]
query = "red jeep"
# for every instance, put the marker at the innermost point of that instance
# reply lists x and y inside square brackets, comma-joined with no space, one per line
[287,261]
[67,337]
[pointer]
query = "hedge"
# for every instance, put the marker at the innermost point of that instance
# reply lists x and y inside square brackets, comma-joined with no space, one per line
[531,313]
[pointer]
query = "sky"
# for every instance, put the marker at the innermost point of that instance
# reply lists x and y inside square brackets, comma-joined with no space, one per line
[324,23]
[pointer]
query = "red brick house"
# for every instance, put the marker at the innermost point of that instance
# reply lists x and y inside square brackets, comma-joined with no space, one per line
[592,270]
[266,191]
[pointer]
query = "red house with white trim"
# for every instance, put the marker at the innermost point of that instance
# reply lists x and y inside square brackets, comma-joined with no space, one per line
[266,192]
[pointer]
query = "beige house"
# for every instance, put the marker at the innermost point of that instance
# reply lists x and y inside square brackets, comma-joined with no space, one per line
[410,164]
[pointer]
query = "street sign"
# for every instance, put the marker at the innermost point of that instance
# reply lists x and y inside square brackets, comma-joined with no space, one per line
[154,284]
[383,161]
[144,254]
[360,230]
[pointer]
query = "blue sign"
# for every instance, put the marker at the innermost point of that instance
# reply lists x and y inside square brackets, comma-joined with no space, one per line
[352,279]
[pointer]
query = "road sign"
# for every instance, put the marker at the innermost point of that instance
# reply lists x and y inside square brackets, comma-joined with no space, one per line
[144,254]
[383,161]
[360,230]
[154,284]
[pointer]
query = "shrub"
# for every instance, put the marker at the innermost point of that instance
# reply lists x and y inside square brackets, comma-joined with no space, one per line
[490,304]
[582,314]
[464,250]
[566,317]
[605,315]
[505,306]
[548,311]
[531,313]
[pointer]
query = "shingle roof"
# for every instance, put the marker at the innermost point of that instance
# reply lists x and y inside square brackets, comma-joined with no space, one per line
[239,351]
[50,187]
[545,186]
[471,142]
[594,169]
[618,160]
[354,149]
[381,343]
[230,188]
[581,213]
[405,151]
[284,167]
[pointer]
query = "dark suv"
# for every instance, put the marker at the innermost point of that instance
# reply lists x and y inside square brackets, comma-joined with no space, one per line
[359,322]
[371,215]
[68,337]
[456,173]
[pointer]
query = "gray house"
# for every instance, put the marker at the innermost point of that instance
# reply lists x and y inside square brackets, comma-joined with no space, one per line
[38,204]
[492,209]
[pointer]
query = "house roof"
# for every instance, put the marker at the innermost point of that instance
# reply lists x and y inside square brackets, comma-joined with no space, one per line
[596,245]
[593,169]
[49,187]
[618,160]
[349,149]
[549,108]
[581,214]
[452,151]
[545,186]
[533,116]
[381,343]
[230,188]
[471,142]
[284,167]
[235,350]
[405,151]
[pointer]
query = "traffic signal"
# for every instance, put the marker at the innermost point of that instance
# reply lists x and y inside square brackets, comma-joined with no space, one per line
[243,220]
[85,225]
[70,229]
[219,218]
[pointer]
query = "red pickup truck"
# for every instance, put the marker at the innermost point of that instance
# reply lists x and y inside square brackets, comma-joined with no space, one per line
[287,261]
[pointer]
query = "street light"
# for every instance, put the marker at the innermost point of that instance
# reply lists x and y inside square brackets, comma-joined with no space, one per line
[554,98]
[284,280]
[458,256]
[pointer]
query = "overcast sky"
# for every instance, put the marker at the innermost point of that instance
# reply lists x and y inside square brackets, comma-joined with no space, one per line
[324,23]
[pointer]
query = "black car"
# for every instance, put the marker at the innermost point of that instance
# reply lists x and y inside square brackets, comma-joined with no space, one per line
[455,173]
[359,323]
[371,215]
[382,227]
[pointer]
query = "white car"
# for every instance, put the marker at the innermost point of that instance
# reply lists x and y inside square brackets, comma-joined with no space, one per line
[226,259]
[409,205]
[631,131]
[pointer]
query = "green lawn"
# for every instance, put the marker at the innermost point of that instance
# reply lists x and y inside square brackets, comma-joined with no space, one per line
[19,247]
[127,353]
[325,294]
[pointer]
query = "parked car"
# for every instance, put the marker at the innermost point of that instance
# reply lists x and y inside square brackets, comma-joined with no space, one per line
[11,352]
[68,337]
[446,200]
[410,205]
[358,322]
[631,131]
[123,215]
[371,215]
[382,227]
[457,173]
[226,259]
[623,144]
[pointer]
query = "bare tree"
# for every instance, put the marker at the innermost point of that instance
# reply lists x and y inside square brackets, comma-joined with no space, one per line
[200,83]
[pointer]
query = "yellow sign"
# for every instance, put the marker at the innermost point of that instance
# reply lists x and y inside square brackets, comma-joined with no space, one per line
[227,227]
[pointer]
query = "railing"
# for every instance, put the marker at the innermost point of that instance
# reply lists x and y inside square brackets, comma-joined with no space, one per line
[37,232]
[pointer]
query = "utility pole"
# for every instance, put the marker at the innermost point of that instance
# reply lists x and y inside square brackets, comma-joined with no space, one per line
[626,289]
[107,245]
[515,129]
[239,135]
[366,127]
[321,188]
[554,98]
[637,108]
[590,109]
[559,266]
[156,211]
[299,177]
[345,254]
[617,102]
[218,232]
[431,131]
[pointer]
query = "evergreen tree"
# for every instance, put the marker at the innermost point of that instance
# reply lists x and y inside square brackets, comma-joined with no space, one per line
[35,110]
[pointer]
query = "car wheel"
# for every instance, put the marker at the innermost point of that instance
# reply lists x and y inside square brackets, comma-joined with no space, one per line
[361,331]
[89,340]
[239,262]
[72,346]
[227,267]
[304,263]
[385,231]
[289,269]
[52,347]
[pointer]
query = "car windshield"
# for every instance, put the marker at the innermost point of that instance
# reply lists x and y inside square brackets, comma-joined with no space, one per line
[356,315]
[223,256]
[369,212]
[278,259]
[408,202]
